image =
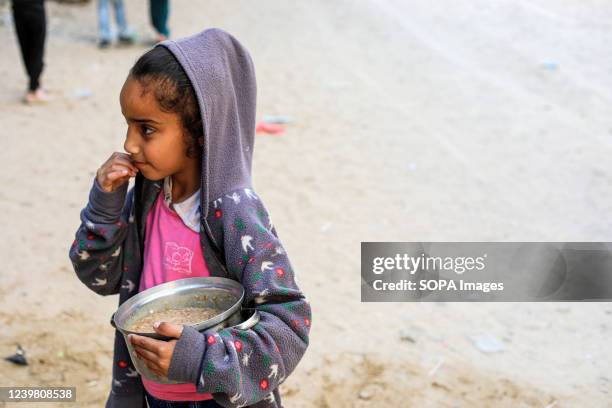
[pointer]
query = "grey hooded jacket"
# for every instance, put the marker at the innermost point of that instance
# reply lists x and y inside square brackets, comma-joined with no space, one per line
[238,367]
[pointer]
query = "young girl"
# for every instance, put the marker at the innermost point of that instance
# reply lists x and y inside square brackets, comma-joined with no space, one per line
[190,112]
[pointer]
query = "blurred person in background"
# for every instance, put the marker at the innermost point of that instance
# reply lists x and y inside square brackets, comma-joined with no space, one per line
[31,27]
[125,36]
[160,9]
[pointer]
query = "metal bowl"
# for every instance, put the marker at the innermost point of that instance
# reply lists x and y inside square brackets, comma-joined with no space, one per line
[219,293]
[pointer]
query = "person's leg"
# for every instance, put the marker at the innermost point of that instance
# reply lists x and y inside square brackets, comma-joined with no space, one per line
[211,403]
[38,30]
[159,16]
[126,34]
[156,403]
[20,19]
[104,27]
[31,26]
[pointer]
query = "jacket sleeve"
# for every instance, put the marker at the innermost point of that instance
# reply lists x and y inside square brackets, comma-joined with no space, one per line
[241,367]
[97,251]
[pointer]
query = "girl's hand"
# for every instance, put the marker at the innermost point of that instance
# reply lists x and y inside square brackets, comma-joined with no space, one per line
[116,171]
[157,354]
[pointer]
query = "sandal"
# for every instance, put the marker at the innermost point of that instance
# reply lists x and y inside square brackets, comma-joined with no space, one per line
[37,97]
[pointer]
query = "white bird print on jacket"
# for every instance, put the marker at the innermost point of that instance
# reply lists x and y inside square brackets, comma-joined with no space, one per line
[131,373]
[246,242]
[117,252]
[220,200]
[83,255]
[270,398]
[129,285]
[273,371]
[261,298]
[270,221]
[235,398]
[245,359]
[249,193]
[99,282]
[278,251]
[266,265]
[234,197]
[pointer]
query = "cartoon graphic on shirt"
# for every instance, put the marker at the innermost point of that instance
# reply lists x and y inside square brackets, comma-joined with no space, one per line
[177,258]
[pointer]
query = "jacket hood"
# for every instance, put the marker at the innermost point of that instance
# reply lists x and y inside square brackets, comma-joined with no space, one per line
[223,76]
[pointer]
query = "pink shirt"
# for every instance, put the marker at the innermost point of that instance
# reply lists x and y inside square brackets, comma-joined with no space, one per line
[172,251]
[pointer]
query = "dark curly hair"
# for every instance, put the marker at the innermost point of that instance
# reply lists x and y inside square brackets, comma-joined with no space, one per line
[173,91]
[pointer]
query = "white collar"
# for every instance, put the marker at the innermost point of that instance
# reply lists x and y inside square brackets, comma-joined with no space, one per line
[188,210]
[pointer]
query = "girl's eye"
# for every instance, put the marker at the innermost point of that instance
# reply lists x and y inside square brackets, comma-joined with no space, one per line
[147,131]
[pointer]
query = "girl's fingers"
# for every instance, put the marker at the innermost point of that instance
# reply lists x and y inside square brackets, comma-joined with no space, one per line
[122,158]
[152,365]
[143,342]
[121,154]
[146,354]
[116,175]
[121,167]
[118,166]
[126,162]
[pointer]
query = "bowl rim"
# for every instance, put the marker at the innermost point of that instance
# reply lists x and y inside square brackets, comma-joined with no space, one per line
[119,318]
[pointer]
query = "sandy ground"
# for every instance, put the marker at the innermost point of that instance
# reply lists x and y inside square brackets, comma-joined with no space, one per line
[412,120]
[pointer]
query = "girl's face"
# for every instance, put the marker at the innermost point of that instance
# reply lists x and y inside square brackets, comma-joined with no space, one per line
[154,138]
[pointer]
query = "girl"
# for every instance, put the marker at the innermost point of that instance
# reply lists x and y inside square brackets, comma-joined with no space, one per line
[190,112]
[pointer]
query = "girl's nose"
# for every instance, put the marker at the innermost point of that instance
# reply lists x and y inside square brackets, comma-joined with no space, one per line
[130,145]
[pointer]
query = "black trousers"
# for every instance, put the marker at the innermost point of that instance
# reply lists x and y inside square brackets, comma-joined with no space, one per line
[31,28]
